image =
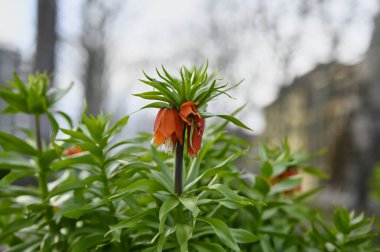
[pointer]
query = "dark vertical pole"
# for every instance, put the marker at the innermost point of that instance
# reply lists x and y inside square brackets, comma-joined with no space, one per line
[178,169]
[46,36]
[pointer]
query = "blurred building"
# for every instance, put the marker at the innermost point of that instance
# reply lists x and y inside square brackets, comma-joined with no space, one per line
[337,107]
[9,63]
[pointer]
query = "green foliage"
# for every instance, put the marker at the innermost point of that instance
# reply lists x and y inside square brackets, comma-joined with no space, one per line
[96,192]
[375,183]
[194,84]
[33,97]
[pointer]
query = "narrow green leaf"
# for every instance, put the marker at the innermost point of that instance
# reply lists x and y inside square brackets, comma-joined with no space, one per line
[144,185]
[222,231]
[12,143]
[315,172]
[14,191]
[266,170]
[161,164]
[87,242]
[55,128]
[308,194]
[77,135]
[286,184]
[207,247]
[191,204]
[59,93]
[15,175]
[13,161]
[262,185]
[130,221]
[66,117]
[72,161]
[183,234]
[226,192]
[155,96]
[243,236]
[165,208]
[155,105]
[164,180]
[265,245]
[15,226]
[76,210]
[342,220]
[65,187]
[196,162]
[118,126]
[16,101]
[234,121]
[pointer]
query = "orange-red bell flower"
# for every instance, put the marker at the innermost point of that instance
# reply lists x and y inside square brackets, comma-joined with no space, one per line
[168,128]
[195,139]
[195,127]
[187,110]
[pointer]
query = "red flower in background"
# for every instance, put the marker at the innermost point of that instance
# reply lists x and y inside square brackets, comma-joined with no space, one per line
[286,174]
[73,150]
[168,128]
[195,125]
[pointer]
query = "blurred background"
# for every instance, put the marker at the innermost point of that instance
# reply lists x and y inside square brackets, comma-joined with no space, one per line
[310,68]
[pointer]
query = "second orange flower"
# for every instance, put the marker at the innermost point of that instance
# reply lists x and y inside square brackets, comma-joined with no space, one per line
[170,126]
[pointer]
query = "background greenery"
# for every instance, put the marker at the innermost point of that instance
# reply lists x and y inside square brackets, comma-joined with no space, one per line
[117,195]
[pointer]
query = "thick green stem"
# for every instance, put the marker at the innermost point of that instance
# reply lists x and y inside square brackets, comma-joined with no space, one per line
[42,176]
[106,189]
[178,169]
[42,173]
[37,128]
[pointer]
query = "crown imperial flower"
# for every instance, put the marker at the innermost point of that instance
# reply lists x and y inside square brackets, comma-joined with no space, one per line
[195,125]
[168,128]
[181,117]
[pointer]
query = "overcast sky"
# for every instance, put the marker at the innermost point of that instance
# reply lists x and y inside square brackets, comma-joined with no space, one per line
[150,32]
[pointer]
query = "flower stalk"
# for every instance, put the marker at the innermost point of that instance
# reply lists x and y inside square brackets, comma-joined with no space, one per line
[42,176]
[178,169]
[42,173]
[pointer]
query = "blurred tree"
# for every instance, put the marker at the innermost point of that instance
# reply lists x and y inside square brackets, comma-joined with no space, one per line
[46,40]
[368,122]
[46,36]
[97,18]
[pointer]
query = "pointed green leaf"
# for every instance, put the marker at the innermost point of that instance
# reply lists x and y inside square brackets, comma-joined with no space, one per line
[144,185]
[12,143]
[118,126]
[243,236]
[183,234]
[222,231]
[72,161]
[10,161]
[65,187]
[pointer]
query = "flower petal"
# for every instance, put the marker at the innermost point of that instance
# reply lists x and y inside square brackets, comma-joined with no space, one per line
[159,138]
[187,109]
[158,119]
[194,136]
[168,124]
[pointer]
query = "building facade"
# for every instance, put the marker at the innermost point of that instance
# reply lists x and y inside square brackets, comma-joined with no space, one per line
[335,107]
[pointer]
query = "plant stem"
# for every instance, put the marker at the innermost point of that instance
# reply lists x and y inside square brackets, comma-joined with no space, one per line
[107,189]
[178,169]
[42,173]
[42,176]
[37,128]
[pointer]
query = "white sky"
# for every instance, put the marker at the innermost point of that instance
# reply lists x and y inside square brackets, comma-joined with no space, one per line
[148,33]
